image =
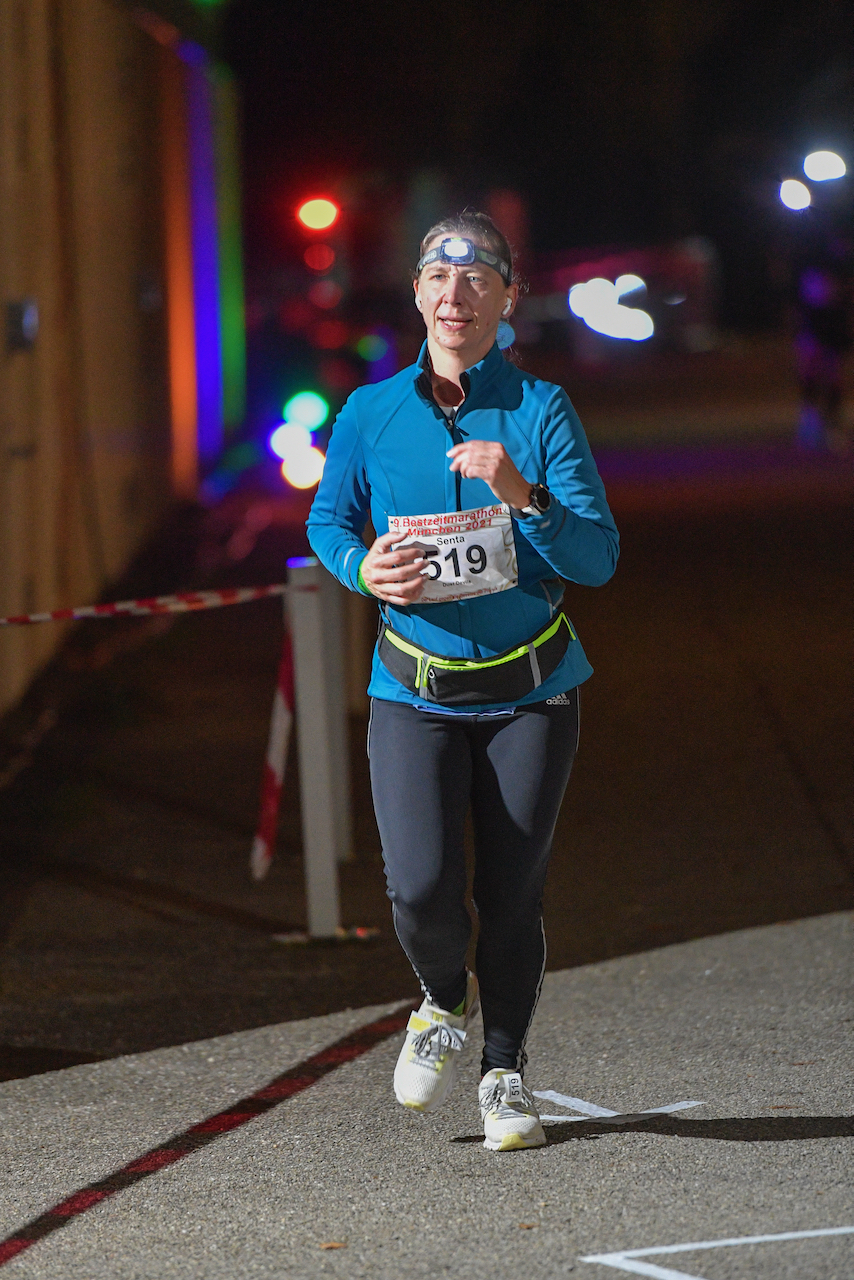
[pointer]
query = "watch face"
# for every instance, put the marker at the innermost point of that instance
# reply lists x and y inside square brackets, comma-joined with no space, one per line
[540,497]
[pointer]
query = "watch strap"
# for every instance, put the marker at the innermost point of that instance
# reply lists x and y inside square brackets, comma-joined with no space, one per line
[535,507]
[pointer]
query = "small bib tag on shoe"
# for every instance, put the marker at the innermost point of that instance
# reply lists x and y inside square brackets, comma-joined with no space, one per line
[513,1088]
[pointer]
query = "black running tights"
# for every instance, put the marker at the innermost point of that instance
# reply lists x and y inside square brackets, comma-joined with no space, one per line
[427,771]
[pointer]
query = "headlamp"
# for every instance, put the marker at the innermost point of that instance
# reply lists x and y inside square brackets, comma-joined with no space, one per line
[459,252]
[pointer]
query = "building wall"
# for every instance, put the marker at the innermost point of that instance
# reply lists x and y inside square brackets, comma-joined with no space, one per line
[85,450]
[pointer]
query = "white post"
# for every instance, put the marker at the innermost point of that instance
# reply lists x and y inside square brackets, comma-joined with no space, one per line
[333,610]
[314,601]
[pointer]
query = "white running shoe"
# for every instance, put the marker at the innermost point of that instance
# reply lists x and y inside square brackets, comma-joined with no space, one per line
[430,1058]
[511,1121]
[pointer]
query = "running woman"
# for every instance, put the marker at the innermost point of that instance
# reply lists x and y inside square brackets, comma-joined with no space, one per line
[480,485]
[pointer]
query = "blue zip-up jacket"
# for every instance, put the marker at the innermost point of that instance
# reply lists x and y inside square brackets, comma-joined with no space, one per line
[387,456]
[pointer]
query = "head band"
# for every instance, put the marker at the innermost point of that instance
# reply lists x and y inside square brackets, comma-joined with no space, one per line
[459,252]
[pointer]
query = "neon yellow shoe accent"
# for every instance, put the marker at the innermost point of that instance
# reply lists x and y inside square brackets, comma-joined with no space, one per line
[429,1060]
[511,1121]
[513,1142]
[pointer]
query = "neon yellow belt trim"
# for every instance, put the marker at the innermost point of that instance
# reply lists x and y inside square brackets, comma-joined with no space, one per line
[471,664]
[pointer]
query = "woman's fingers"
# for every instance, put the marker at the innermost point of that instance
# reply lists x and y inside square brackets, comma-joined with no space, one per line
[392,572]
[481,458]
[487,460]
[385,541]
[399,564]
[398,573]
[399,592]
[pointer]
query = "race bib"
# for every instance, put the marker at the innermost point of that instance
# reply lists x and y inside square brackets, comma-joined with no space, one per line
[469,553]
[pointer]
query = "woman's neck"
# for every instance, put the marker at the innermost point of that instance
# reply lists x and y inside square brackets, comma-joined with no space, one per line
[447,391]
[447,369]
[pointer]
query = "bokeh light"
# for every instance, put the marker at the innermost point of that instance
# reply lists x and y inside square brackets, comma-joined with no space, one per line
[302,463]
[308,409]
[794,194]
[330,335]
[320,257]
[597,303]
[290,438]
[325,294]
[822,166]
[303,468]
[628,284]
[318,214]
[372,347]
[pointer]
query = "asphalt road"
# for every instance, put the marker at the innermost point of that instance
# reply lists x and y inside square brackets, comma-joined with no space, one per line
[340,1181]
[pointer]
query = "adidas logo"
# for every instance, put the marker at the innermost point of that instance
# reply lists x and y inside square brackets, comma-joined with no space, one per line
[561,700]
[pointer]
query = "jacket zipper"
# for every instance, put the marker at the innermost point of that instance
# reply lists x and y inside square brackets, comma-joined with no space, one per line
[456,438]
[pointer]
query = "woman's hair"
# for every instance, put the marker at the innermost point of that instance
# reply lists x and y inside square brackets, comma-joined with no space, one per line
[474,226]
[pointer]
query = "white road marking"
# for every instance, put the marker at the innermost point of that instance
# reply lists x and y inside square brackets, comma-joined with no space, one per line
[628,1259]
[575,1104]
[591,1111]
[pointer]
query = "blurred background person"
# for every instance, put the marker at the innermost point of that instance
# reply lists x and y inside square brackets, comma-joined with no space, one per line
[822,340]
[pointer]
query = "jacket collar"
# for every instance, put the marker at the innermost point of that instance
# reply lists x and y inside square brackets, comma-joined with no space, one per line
[474,381]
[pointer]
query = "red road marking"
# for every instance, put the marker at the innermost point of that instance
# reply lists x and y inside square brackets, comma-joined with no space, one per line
[285,1086]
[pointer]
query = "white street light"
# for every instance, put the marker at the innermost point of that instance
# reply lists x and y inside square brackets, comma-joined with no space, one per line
[794,194]
[821,166]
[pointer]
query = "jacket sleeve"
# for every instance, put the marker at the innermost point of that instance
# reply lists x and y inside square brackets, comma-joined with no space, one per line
[339,513]
[577,536]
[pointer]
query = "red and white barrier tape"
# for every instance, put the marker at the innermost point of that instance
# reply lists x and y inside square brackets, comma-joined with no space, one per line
[283,702]
[181,602]
[274,764]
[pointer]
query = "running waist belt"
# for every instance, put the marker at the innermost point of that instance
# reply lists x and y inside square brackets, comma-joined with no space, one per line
[460,682]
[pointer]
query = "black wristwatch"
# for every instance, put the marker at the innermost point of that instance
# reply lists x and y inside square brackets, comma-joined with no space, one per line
[539,501]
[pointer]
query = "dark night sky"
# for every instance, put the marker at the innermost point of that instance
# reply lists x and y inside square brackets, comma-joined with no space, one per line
[558,97]
[622,122]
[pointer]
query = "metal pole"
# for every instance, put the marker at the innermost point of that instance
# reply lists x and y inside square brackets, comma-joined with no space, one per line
[314,603]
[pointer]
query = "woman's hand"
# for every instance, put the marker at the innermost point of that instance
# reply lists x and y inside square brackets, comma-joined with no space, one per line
[489,461]
[394,575]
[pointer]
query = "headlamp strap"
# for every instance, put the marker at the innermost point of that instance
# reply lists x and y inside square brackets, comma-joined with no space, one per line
[460,251]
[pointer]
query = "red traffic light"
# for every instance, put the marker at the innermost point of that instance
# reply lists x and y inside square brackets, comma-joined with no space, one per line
[318,214]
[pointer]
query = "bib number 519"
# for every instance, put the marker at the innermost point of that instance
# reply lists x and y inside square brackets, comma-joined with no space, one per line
[475,555]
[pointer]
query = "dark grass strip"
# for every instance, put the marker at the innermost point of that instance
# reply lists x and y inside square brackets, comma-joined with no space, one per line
[287,1085]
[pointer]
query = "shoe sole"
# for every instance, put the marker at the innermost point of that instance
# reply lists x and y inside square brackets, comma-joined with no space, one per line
[516,1142]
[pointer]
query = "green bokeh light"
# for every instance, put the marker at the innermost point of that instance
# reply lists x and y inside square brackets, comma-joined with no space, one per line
[308,409]
[372,347]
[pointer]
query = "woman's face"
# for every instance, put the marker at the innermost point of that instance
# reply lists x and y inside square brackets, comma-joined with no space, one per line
[462,306]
